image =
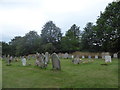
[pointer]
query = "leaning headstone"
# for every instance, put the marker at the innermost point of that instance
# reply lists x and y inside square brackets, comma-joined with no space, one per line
[96,57]
[56,62]
[24,61]
[108,59]
[83,56]
[115,55]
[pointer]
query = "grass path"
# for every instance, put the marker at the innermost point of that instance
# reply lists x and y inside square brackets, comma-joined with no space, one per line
[91,75]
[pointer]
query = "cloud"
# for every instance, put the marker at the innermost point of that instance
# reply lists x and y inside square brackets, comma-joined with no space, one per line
[18,17]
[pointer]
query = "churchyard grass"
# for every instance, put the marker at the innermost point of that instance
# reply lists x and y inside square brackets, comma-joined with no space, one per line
[86,75]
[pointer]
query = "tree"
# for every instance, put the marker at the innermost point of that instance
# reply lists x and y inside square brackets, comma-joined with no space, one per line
[14,44]
[51,33]
[5,48]
[71,41]
[31,42]
[108,28]
[88,38]
[25,45]
[51,36]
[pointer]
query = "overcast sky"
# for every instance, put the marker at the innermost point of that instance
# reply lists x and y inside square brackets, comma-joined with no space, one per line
[18,17]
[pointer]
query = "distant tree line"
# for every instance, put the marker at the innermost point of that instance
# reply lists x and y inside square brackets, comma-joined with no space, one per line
[102,37]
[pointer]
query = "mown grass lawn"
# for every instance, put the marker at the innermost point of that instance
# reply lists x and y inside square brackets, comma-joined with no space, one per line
[90,75]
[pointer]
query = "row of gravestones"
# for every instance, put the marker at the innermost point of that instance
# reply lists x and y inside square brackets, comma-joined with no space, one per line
[77,60]
[66,55]
[41,60]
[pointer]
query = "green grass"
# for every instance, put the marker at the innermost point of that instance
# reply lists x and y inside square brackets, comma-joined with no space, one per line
[90,75]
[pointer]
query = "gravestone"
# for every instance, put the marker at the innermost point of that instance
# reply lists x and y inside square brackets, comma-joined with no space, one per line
[28,57]
[37,63]
[107,59]
[37,54]
[115,55]
[55,62]
[76,60]
[24,61]
[59,55]
[66,55]
[72,56]
[7,59]
[105,54]
[41,60]
[96,57]
[10,60]
[89,57]
[47,57]
[69,56]
[63,55]
[83,56]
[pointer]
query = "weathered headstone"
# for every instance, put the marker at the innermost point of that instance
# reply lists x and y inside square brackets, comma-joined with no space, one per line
[66,55]
[56,62]
[96,56]
[24,61]
[47,57]
[115,55]
[41,59]
[108,59]
[76,60]
[37,63]
[10,60]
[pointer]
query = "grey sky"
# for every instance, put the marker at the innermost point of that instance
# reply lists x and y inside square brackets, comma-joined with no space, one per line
[18,17]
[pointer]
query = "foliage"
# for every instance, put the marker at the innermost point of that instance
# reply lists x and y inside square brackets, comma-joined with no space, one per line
[105,35]
[108,28]
[88,37]
[51,33]
[71,41]
[5,48]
